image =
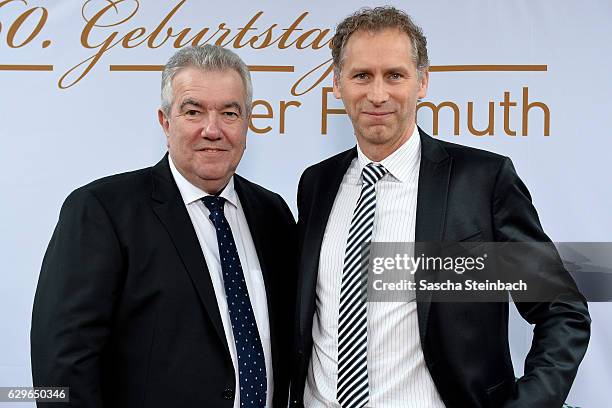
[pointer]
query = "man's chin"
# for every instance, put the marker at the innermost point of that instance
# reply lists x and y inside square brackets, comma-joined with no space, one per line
[213,176]
[212,183]
[377,134]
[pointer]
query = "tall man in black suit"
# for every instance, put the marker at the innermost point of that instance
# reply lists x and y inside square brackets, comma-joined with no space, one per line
[400,185]
[166,286]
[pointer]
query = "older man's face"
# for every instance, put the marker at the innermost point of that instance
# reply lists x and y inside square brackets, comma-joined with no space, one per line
[207,126]
[379,86]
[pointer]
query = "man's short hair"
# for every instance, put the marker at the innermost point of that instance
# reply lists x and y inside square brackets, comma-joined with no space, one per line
[375,20]
[207,58]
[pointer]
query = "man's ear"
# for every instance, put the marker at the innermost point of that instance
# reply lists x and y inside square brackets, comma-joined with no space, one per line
[424,84]
[164,122]
[337,92]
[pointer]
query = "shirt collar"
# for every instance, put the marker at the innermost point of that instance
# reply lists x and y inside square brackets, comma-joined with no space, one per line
[403,162]
[191,193]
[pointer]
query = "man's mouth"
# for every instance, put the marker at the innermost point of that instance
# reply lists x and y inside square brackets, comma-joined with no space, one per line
[212,150]
[377,114]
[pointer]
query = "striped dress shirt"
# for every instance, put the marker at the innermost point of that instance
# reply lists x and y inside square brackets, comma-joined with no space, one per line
[398,376]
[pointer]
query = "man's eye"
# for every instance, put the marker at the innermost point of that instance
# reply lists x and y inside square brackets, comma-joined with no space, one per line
[230,115]
[395,76]
[191,112]
[361,76]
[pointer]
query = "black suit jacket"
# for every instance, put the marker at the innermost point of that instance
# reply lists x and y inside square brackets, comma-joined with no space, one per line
[463,194]
[125,312]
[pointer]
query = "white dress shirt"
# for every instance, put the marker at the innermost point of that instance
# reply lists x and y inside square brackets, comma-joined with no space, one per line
[207,237]
[397,374]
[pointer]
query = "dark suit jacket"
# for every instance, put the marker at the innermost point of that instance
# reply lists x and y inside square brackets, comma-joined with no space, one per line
[125,312]
[463,194]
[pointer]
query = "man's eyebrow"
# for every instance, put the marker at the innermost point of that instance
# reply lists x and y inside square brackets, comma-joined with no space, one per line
[190,101]
[398,68]
[359,69]
[234,105]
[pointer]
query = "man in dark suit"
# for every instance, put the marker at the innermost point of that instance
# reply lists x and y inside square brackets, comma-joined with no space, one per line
[400,185]
[167,286]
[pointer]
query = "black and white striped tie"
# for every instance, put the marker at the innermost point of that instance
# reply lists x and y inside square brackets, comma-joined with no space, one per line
[352,388]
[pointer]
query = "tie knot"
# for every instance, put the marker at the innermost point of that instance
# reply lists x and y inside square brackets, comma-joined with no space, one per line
[373,172]
[214,203]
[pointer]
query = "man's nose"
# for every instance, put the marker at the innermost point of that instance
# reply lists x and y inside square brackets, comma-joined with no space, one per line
[211,129]
[377,93]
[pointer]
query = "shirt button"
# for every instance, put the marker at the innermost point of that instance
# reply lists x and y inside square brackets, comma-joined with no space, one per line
[228,394]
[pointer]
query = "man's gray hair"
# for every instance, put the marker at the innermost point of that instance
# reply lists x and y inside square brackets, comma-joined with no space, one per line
[375,20]
[207,58]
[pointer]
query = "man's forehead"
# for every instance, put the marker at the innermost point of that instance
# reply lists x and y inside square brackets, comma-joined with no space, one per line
[210,89]
[220,81]
[378,47]
[390,36]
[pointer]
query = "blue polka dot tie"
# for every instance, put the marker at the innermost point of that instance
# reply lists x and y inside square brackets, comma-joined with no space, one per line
[251,362]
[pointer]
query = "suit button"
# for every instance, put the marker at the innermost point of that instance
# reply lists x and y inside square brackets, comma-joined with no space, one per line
[228,394]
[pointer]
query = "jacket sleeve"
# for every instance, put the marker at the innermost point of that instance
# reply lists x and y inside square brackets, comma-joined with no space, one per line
[561,323]
[78,284]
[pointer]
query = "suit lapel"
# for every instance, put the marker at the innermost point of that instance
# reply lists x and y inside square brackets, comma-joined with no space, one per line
[170,209]
[319,209]
[434,178]
[259,227]
[259,232]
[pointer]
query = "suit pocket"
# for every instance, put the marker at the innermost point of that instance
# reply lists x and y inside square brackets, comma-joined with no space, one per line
[472,237]
[501,392]
[463,232]
[463,246]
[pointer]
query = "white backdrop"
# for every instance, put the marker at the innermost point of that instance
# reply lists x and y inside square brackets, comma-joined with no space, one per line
[74,108]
